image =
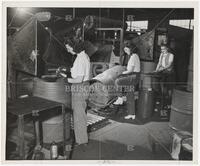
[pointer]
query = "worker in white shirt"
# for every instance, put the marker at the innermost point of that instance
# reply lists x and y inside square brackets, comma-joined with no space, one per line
[130,77]
[165,69]
[80,73]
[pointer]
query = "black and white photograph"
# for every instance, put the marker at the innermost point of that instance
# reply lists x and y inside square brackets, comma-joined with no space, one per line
[102,81]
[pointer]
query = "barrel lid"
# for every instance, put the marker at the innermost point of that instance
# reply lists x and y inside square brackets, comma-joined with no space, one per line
[54,120]
[49,78]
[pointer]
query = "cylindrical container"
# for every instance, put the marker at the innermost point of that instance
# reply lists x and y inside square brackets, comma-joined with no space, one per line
[181,119]
[109,76]
[53,128]
[182,99]
[147,80]
[147,67]
[181,116]
[145,103]
[52,90]
[131,103]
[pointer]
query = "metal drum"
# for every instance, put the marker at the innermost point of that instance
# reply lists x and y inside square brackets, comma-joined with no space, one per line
[53,128]
[52,90]
[131,103]
[181,116]
[145,104]
[147,67]
[148,81]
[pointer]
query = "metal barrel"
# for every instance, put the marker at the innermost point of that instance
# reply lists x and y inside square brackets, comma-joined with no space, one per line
[53,128]
[181,116]
[146,80]
[55,91]
[145,104]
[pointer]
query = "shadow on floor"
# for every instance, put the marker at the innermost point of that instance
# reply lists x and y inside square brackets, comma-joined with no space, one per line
[112,150]
[119,112]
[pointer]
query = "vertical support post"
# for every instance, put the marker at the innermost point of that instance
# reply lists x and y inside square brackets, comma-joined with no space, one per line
[14,87]
[83,35]
[35,114]
[74,13]
[99,17]
[121,41]
[64,130]
[123,19]
[21,136]
[36,49]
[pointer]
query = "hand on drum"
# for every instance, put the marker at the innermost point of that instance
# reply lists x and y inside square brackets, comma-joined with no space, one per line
[61,72]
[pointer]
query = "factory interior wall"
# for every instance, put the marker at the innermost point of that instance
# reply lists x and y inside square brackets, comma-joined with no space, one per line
[182,38]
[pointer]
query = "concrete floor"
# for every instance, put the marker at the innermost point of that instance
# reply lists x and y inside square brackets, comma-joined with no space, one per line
[125,141]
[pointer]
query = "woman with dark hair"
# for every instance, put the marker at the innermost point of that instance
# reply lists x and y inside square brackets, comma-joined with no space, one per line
[80,73]
[129,77]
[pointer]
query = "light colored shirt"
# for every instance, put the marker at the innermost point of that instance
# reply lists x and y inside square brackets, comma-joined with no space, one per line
[81,66]
[165,60]
[134,61]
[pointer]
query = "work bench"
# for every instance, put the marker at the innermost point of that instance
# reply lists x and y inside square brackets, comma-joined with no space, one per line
[32,106]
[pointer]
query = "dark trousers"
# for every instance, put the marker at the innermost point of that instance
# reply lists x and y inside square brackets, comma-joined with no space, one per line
[126,84]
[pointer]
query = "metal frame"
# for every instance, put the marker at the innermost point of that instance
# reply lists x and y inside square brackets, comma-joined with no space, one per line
[121,35]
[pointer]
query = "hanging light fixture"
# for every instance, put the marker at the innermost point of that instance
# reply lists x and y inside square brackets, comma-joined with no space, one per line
[43,16]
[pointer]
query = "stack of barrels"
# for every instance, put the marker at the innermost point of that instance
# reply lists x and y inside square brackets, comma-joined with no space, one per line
[146,80]
[181,117]
[146,90]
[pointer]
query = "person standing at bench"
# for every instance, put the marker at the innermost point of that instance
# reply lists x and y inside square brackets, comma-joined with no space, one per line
[80,73]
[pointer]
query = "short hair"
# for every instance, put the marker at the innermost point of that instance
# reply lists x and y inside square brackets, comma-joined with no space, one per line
[80,46]
[165,45]
[133,48]
[77,46]
[70,42]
